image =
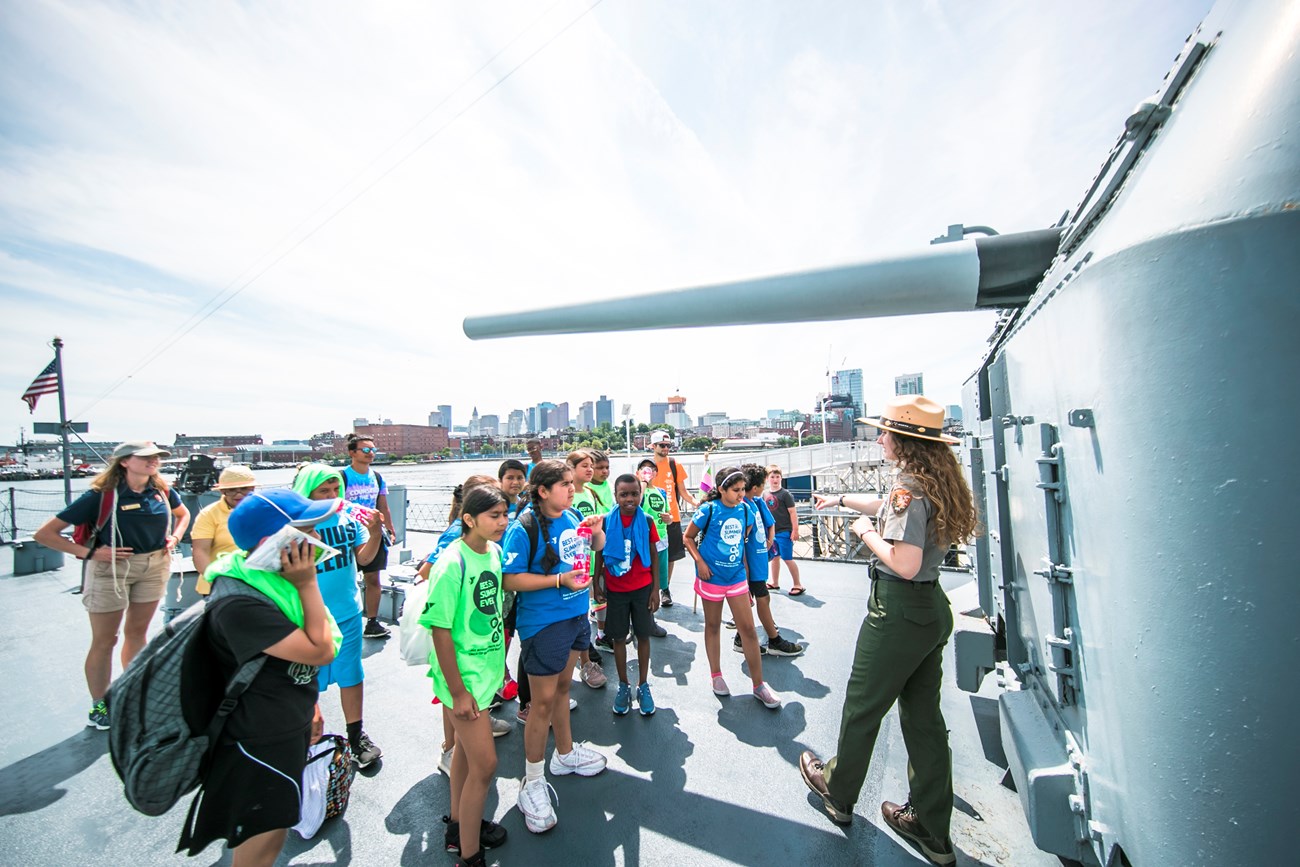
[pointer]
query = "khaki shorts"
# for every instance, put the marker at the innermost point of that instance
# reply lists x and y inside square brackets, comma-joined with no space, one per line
[140,578]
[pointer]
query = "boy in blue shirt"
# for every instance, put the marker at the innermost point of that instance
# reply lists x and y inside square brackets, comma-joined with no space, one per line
[337,578]
[366,488]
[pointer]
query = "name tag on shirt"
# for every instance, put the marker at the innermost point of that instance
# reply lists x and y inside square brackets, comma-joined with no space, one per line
[130,506]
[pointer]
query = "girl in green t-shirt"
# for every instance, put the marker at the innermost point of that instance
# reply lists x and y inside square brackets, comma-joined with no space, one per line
[464,613]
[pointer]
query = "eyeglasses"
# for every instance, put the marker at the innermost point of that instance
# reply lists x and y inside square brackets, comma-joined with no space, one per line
[368,450]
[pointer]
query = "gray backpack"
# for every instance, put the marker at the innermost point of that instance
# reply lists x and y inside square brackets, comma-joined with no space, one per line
[167,709]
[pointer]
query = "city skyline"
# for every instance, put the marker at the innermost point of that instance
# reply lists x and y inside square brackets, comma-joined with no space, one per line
[288,226]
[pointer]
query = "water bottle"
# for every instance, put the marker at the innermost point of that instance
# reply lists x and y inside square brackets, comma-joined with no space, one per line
[582,556]
[356,512]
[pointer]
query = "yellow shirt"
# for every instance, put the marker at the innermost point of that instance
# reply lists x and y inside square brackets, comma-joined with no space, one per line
[210,523]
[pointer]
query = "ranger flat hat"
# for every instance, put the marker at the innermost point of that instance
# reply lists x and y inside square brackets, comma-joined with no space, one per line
[914,416]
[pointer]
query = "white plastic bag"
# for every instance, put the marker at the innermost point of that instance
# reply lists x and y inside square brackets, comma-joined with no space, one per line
[415,641]
[266,557]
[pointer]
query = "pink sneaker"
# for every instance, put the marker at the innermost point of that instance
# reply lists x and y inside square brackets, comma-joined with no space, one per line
[720,686]
[593,676]
[764,693]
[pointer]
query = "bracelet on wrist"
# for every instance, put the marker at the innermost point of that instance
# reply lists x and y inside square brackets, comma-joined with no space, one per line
[841,501]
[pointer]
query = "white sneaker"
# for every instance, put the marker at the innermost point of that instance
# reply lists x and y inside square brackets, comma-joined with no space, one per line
[535,803]
[573,704]
[582,761]
[444,763]
[500,727]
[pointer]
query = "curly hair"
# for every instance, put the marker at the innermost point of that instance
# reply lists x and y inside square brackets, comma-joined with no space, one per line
[934,468]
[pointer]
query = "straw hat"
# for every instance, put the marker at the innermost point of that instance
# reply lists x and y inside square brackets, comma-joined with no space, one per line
[914,416]
[235,476]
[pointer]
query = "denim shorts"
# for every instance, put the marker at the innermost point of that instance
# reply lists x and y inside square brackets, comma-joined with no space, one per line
[547,652]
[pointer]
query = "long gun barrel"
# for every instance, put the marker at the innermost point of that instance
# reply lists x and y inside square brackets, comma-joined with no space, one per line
[999,271]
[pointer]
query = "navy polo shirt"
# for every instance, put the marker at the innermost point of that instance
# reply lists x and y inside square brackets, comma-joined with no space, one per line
[141,517]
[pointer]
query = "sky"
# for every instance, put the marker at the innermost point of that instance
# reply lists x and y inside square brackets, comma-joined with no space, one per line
[273,218]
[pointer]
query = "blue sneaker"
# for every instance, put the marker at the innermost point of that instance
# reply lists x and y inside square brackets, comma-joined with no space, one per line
[644,700]
[623,701]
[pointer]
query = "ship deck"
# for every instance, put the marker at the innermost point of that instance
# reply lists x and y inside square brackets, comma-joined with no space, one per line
[705,781]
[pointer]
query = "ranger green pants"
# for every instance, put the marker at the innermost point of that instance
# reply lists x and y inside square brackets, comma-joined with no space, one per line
[899,658]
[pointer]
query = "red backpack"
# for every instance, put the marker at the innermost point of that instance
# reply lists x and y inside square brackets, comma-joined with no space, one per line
[88,534]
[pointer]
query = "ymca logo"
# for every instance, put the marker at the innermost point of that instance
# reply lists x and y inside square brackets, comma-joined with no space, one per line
[568,546]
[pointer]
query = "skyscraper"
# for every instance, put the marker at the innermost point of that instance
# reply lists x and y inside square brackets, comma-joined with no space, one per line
[909,383]
[516,423]
[435,419]
[445,411]
[587,415]
[850,382]
[604,411]
[658,412]
[558,418]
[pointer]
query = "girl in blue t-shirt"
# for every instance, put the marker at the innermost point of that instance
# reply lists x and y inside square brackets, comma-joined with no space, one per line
[551,603]
[716,540]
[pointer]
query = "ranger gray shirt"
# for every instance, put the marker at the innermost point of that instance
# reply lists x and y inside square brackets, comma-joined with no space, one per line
[904,516]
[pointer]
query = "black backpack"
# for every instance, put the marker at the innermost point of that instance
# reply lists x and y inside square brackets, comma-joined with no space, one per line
[168,711]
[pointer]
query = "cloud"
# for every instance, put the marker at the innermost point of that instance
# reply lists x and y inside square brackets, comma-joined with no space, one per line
[348,168]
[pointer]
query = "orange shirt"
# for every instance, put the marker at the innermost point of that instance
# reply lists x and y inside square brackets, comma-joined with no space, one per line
[664,479]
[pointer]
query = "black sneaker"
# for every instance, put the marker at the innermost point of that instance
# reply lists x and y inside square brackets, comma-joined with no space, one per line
[367,752]
[665,598]
[375,629]
[657,631]
[781,646]
[739,648]
[490,835]
[98,717]
[594,654]
[604,642]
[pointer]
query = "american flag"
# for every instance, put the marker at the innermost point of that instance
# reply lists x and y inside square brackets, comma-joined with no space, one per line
[46,382]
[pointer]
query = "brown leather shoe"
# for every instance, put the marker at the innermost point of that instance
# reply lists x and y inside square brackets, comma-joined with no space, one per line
[814,774]
[902,818]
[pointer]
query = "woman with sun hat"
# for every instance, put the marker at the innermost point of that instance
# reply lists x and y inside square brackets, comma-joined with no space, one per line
[899,651]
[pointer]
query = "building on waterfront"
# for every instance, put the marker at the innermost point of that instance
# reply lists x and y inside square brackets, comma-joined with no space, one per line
[472,429]
[658,412]
[543,418]
[517,423]
[909,383]
[850,382]
[359,422]
[489,425]
[604,411]
[775,413]
[711,418]
[185,445]
[587,415]
[435,419]
[400,440]
[444,410]
[558,418]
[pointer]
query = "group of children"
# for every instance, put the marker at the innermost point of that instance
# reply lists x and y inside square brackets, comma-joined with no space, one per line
[541,567]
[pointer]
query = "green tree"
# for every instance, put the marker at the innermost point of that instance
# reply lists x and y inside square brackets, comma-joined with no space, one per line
[697,444]
[813,440]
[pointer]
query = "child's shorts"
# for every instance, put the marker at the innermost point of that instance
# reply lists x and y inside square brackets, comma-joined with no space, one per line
[784,547]
[628,607]
[758,589]
[547,652]
[345,670]
[718,592]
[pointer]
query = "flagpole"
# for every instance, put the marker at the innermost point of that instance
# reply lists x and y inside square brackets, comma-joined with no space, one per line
[63,422]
